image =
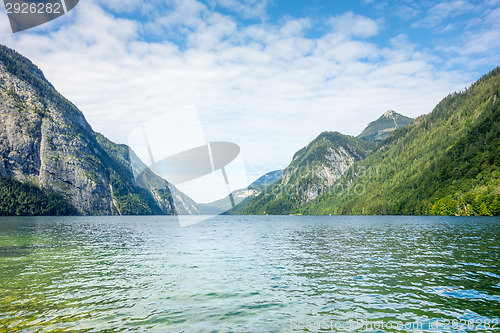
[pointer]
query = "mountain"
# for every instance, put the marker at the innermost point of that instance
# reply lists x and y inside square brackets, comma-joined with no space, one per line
[163,193]
[50,154]
[313,169]
[443,163]
[241,196]
[17,198]
[267,179]
[380,129]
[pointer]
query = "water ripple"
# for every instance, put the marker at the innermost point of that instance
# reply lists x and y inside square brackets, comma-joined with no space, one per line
[246,274]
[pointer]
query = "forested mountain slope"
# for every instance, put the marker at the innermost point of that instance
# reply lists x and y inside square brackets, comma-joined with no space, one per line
[444,163]
[313,170]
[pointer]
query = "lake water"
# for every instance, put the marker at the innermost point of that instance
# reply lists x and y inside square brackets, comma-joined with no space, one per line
[250,274]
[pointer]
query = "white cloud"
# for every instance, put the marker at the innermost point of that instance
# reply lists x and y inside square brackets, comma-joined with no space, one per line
[265,87]
[182,13]
[406,11]
[246,8]
[443,10]
[354,25]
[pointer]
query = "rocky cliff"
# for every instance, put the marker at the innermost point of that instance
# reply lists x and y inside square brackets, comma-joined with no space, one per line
[45,141]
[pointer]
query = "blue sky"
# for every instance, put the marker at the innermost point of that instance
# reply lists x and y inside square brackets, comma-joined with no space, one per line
[269,75]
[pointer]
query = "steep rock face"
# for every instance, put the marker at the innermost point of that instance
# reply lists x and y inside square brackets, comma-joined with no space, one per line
[51,147]
[165,195]
[46,141]
[315,168]
[313,171]
[321,173]
[184,205]
[126,188]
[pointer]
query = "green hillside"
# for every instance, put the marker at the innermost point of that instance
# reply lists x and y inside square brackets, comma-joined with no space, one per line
[313,169]
[139,197]
[444,163]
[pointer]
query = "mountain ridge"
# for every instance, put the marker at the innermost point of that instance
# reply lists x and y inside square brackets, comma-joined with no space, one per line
[312,169]
[45,141]
[442,163]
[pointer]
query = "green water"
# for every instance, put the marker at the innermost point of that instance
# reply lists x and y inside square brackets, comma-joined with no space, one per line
[249,274]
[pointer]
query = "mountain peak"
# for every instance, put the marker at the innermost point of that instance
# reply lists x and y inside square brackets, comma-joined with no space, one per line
[380,129]
[389,113]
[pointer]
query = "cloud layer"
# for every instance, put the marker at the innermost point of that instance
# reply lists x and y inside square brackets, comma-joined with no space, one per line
[268,85]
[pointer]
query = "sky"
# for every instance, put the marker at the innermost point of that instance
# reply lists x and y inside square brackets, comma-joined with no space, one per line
[268,75]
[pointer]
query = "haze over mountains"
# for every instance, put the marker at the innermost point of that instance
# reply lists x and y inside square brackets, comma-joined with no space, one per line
[446,162]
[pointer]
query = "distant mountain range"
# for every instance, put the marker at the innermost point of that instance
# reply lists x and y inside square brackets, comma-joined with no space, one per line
[443,163]
[241,196]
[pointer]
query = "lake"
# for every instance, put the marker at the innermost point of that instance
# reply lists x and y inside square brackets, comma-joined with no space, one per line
[250,274]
